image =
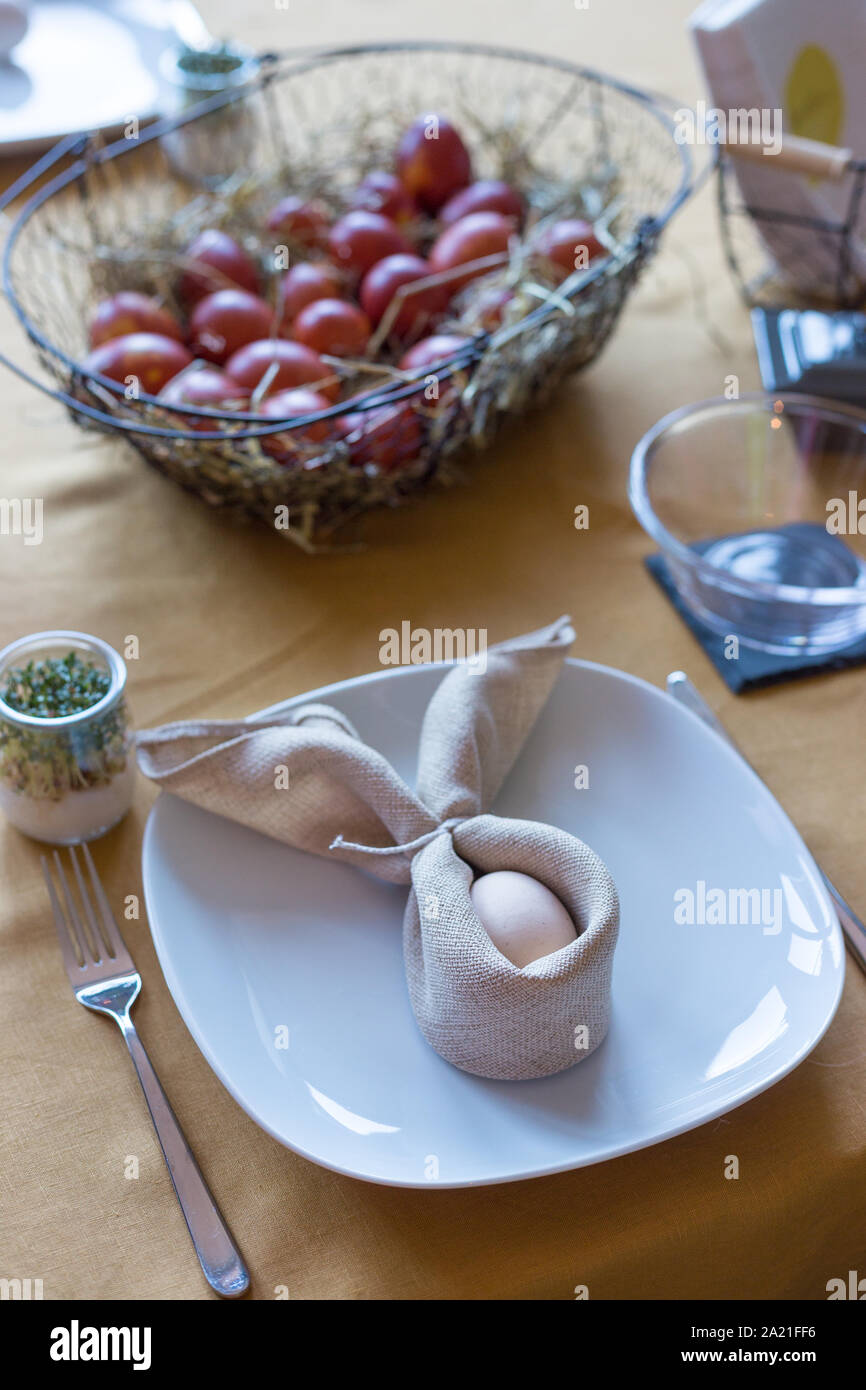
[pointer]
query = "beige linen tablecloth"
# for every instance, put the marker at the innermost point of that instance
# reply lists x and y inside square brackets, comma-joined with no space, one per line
[231,619]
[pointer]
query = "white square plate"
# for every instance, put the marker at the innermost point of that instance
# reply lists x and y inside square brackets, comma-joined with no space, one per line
[261,944]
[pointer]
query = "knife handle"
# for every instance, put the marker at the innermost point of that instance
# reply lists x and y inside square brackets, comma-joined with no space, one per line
[855,931]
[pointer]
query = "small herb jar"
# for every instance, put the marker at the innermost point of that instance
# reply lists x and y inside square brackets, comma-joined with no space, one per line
[67,765]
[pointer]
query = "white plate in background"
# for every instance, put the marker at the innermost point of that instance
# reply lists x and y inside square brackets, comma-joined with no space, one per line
[86,65]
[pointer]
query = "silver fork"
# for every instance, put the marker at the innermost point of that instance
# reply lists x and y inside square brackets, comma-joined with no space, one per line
[104,978]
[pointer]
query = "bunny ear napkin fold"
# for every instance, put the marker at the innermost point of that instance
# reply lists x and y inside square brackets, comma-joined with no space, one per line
[305,777]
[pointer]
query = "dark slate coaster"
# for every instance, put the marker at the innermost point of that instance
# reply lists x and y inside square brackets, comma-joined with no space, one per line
[751,669]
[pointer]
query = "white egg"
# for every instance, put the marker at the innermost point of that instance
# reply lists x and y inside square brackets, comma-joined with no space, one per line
[523,919]
[13,25]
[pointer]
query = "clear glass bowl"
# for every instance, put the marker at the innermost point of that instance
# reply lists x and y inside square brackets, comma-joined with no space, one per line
[754,504]
[66,779]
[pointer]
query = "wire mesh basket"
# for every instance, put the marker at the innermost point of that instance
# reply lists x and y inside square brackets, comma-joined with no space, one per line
[576,144]
[781,253]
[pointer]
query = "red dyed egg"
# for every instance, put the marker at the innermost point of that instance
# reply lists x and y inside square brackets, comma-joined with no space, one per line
[479,236]
[432,161]
[305,282]
[131,312]
[221,263]
[206,387]
[382,192]
[568,245]
[386,436]
[223,322]
[145,361]
[334,327]
[431,351]
[297,403]
[416,310]
[487,195]
[360,239]
[296,365]
[300,221]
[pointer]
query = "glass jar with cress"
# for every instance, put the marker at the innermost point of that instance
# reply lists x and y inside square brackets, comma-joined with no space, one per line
[67,766]
[207,150]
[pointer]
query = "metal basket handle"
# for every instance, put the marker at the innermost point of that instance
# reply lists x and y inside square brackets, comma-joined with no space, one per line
[70,144]
[75,145]
[797,156]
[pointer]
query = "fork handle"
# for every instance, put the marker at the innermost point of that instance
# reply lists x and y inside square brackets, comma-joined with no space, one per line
[220,1258]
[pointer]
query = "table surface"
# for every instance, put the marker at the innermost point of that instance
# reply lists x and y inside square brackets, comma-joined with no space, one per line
[230,619]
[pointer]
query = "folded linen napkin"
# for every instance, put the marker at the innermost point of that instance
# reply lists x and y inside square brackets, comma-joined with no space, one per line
[305,777]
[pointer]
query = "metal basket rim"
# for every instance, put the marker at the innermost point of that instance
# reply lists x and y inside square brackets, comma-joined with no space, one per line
[294,62]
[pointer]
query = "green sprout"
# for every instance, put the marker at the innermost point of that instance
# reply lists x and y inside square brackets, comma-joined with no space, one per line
[56,687]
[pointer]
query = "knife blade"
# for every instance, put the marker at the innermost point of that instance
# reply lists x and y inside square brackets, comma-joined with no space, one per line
[680,687]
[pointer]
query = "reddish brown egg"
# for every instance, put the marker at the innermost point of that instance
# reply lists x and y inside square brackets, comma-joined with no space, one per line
[360,239]
[296,365]
[478,237]
[490,310]
[568,245]
[386,436]
[417,309]
[487,195]
[334,327]
[297,403]
[223,322]
[432,161]
[305,282]
[131,312]
[431,351]
[382,192]
[144,362]
[206,387]
[220,263]
[300,221]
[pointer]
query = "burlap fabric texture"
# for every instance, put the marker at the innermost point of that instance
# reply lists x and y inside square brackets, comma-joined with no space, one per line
[305,777]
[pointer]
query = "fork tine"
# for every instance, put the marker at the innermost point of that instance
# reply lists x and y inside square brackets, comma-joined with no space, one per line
[70,959]
[111,931]
[97,937]
[72,917]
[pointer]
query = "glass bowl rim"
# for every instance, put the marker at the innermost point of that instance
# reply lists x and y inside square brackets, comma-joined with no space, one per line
[59,637]
[755,403]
